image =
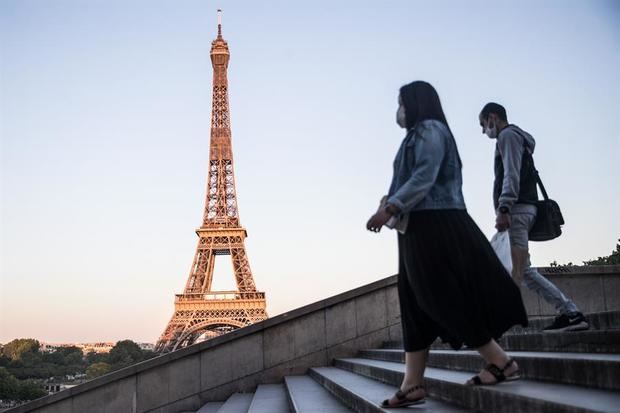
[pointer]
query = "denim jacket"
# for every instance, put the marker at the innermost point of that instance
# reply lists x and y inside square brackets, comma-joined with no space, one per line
[427,172]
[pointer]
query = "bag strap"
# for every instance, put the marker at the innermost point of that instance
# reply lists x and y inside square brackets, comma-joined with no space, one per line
[540,184]
[525,148]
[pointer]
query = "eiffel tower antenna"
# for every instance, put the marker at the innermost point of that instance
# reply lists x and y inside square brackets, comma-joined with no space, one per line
[200,312]
[219,22]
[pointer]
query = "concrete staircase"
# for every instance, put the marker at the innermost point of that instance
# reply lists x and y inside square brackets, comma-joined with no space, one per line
[563,372]
[343,353]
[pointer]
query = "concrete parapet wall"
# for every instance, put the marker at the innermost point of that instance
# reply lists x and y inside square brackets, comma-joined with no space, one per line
[286,345]
[592,288]
[237,362]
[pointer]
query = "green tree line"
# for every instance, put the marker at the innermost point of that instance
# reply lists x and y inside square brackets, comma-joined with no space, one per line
[611,259]
[23,367]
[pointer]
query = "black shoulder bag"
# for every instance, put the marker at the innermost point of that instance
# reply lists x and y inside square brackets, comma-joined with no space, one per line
[549,219]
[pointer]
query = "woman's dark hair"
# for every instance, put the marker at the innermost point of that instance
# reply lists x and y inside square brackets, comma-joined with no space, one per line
[496,108]
[421,102]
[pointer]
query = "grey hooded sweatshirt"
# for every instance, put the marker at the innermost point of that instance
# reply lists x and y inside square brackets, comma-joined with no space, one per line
[515,177]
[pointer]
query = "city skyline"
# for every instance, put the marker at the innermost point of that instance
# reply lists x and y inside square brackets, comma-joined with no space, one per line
[104,127]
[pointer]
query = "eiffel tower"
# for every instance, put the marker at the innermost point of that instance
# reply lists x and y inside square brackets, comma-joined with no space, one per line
[200,312]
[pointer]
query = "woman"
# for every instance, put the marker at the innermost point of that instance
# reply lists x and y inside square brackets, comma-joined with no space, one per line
[450,282]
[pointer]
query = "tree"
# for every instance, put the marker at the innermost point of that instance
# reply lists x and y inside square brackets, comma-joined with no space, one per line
[555,264]
[13,389]
[31,358]
[16,348]
[612,259]
[125,353]
[4,360]
[30,390]
[93,357]
[22,359]
[9,385]
[98,369]
[71,355]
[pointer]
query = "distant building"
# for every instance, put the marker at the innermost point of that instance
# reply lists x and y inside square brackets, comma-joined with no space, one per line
[96,347]
[47,348]
[52,388]
[146,346]
[50,348]
[101,347]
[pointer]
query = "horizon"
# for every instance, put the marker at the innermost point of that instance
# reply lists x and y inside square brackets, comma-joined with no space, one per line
[104,131]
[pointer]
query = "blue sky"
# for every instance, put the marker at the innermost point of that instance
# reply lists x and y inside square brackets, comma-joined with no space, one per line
[104,133]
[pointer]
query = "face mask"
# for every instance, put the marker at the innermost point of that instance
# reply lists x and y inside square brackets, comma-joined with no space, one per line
[400,116]
[491,132]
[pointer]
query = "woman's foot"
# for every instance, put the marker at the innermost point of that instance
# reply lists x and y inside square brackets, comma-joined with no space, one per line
[408,397]
[492,374]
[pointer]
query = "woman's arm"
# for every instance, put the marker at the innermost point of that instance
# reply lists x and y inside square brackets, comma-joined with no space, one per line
[429,150]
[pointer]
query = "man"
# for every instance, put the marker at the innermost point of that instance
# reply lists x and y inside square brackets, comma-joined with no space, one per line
[514,195]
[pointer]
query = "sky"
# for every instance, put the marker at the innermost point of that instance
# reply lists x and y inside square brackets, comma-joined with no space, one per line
[104,141]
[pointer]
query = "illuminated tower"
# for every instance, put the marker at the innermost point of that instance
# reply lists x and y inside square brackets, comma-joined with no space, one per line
[200,311]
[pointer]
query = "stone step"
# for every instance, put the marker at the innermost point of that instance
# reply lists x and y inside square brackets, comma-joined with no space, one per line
[601,321]
[600,371]
[211,407]
[521,396]
[606,320]
[269,398]
[307,396]
[237,403]
[365,395]
[594,341]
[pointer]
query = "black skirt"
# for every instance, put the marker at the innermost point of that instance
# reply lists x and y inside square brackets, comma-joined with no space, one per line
[451,283]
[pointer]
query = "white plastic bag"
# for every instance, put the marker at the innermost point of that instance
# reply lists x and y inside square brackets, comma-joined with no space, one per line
[501,244]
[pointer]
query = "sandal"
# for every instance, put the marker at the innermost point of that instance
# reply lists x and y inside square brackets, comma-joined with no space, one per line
[402,400]
[497,373]
[515,375]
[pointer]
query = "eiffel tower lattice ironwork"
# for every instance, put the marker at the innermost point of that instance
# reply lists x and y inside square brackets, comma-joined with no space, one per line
[200,311]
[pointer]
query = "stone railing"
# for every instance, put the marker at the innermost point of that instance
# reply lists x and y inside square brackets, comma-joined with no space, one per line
[593,288]
[238,361]
[219,296]
[287,344]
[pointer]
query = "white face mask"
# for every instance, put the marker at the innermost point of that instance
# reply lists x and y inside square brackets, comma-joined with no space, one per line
[491,132]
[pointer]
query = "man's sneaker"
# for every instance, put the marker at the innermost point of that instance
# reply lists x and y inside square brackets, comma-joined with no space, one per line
[565,322]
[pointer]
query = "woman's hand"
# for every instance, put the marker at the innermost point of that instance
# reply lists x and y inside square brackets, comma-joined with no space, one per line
[378,220]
